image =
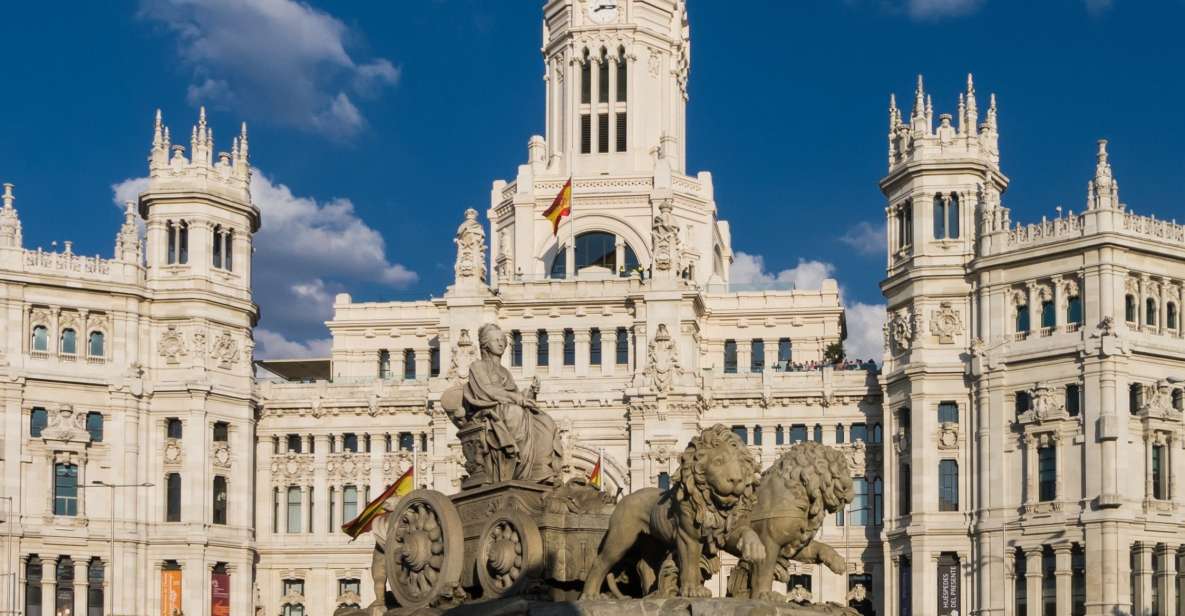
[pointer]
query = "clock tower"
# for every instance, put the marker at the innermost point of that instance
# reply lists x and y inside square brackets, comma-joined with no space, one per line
[616,84]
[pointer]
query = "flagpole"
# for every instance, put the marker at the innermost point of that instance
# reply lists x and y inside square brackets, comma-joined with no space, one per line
[415,459]
[601,465]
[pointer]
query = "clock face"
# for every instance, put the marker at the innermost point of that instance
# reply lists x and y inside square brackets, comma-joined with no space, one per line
[603,11]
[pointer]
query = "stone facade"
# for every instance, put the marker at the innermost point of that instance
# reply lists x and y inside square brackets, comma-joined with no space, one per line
[1019,445]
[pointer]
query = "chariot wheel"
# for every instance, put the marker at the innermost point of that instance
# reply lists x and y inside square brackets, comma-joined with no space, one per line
[509,554]
[424,549]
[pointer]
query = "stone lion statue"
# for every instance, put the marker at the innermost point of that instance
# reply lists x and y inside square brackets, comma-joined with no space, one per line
[794,496]
[683,528]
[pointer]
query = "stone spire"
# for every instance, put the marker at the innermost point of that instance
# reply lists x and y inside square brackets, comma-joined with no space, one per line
[128,245]
[1102,192]
[969,117]
[232,167]
[10,223]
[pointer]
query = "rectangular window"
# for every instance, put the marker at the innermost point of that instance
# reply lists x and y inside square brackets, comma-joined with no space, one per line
[294,443]
[603,133]
[860,507]
[878,502]
[173,497]
[94,426]
[1078,582]
[38,420]
[664,481]
[409,364]
[516,349]
[905,587]
[818,433]
[1074,310]
[1048,317]
[33,575]
[65,490]
[858,433]
[569,347]
[1022,319]
[221,429]
[623,346]
[1073,399]
[350,442]
[757,435]
[780,436]
[594,347]
[756,355]
[349,503]
[586,82]
[730,357]
[384,364]
[220,497]
[622,129]
[797,433]
[407,441]
[904,491]
[948,485]
[948,412]
[1047,473]
[621,79]
[541,348]
[1159,485]
[585,134]
[276,510]
[309,517]
[742,432]
[292,587]
[783,353]
[1134,392]
[603,80]
[1024,401]
[332,509]
[434,361]
[183,250]
[293,509]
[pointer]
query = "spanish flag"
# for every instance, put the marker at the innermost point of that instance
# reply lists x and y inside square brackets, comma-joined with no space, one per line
[594,477]
[374,509]
[561,207]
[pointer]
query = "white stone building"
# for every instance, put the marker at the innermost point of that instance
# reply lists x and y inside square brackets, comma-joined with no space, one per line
[1029,388]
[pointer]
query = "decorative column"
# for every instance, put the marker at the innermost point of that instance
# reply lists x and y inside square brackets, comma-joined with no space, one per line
[80,578]
[744,353]
[1166,579]
[1142,589]
[771,353]
[583,337]
[555,351]
[423,362]
[1141,296]
[1064,573]
[530,352]
[1059,315]
[396,358]
[321,483]
[1029,442]
[49,585]
[1034,307]
[1033,580]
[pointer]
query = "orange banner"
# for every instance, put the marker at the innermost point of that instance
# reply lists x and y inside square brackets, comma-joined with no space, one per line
[170,592]
[220,594]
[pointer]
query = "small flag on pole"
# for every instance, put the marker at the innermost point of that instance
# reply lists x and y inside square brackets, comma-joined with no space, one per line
[594,477]
[561,207]
[374,509]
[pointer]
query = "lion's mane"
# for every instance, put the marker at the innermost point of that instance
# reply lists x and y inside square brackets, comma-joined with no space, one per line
[693,492]
[818,472]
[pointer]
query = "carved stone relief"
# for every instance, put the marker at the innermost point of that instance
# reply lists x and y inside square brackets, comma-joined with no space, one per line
[945,323]
[172,346]
[225,350]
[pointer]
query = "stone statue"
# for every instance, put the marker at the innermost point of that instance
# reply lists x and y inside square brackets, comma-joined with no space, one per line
[471,249]
[685,526]
[793,498]
[663,362]
[504,435]
[665,234]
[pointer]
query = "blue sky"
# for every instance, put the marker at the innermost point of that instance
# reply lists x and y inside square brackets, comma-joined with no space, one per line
[376,124]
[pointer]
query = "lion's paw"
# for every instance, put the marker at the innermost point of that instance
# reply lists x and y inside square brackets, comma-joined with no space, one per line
[771,596]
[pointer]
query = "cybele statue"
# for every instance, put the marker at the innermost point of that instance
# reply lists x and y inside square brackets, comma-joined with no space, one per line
[518,540]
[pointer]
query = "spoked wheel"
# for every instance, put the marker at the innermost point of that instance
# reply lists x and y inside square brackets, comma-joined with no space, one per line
[425,548]
[509,554]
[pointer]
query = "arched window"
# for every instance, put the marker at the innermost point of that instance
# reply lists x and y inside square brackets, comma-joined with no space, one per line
[542,348]
[619,109]
[65,489]
[1022,318]
[877,434]
[1150,312]
[839,434]
[409,364]
[1048,316]
[939,217]
[94,426]
[384,364]
[516,348]
[40,338]
[220,499]
[818,433]
[94,587]
[905,224]
[171,240]
[585,78]
[621,75]
[585,101]
[38,419]
[603,77]
[1170,315]
[95,344]
[599,249]
[1129,308]
[569,348]
[178,242]
[68,342]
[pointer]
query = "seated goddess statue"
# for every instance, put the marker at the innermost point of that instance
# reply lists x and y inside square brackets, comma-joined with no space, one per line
[520,441]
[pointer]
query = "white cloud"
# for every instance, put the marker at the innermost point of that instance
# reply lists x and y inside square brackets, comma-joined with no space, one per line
[128,190]
[279,59]
[865,238]
[273,345]
[749,270]
[305,252]
[865,331]
[925,10]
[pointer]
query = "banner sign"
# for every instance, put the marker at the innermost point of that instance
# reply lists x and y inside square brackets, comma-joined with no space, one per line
[220,594]
[170,592]
[948,587]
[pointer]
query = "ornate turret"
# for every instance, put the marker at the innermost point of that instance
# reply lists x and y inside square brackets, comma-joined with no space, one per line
[919,140]
[129,247]
[10,223]
[166,160]
[1102,192]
